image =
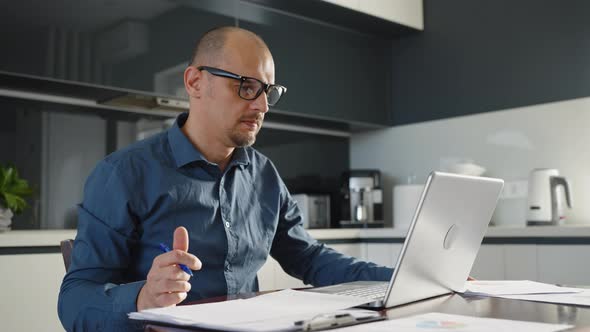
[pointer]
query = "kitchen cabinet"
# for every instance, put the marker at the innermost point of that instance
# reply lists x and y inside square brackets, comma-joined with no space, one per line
[381,18]
[383,253]
[493,261]
[520,262]
[564,264]
[406,12]
[556,264]
[352,4]
[29,295]
[272,276]
[266,275]
[29,285]
[489,263]
[357,250]
[506,262]
[330,73]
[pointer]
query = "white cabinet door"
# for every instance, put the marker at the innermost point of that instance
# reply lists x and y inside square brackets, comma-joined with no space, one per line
[352,4]
[29,285]
[520,262]
[406,12]
[267,275]
[283,280]
[489,264]
[357,250]
[383,253]
[272,276]
[564,264]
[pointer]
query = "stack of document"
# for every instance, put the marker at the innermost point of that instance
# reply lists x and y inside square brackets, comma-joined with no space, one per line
[435,321]
[513,287]
[528,291]
[277,311]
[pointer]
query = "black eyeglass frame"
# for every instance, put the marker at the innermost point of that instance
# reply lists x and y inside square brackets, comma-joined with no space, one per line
[265,86]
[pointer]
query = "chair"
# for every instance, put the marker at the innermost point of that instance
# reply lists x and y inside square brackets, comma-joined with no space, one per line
[66,251]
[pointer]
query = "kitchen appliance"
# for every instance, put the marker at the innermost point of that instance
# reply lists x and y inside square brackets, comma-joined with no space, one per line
[315,210]
[362,199]
[545,201]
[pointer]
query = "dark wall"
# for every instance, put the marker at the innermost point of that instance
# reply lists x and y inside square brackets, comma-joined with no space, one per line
[481,56]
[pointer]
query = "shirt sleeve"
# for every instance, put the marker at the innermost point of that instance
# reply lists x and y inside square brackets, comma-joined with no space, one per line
[304,258]
[96,294]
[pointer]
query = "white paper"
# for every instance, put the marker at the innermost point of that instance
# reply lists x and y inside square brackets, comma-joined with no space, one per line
[581,298]
[442,322]
[268,312]
[513,287]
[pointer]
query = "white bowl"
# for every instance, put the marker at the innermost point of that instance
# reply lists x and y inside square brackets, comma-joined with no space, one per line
[467,169]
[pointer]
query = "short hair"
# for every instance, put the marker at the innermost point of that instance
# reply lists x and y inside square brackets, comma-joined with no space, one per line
[210,46]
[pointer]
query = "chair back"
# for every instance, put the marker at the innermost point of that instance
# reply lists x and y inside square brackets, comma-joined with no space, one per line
[66,251]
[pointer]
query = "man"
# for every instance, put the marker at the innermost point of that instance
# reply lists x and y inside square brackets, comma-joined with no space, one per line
[224,203]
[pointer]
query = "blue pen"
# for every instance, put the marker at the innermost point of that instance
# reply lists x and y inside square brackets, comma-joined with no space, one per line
[182,266]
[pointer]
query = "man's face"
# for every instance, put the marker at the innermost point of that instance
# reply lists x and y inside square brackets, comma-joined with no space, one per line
[233,120]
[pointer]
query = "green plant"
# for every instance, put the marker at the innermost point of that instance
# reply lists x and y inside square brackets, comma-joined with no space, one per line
[13,189]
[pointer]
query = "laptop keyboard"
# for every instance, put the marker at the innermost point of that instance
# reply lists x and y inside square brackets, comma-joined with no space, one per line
[375,292]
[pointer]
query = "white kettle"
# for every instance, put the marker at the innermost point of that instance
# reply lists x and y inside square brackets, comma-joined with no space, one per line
[545,201]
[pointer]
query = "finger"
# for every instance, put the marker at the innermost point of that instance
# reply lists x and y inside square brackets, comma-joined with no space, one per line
[176,257]
[180,239]
[170,272]
[173,272]
[169,299]
[170,286]
[173,286]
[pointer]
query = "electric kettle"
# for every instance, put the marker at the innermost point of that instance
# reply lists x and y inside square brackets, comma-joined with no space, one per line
[545,201]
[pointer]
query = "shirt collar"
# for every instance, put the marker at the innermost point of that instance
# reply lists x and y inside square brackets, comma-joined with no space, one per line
[185,153]
[240,157]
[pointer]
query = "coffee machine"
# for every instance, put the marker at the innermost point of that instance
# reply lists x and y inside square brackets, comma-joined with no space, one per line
[361,199]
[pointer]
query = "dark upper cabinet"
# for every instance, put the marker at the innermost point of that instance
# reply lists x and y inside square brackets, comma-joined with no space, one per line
[328,71]
[331,72]
[387,19]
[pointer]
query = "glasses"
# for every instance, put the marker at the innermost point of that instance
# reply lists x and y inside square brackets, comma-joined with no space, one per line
[250,87]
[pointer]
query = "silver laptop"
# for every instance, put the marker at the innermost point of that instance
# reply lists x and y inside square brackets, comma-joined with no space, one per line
[441,245]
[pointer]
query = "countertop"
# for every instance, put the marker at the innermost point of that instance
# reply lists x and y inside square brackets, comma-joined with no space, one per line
[45,238]
[35,238]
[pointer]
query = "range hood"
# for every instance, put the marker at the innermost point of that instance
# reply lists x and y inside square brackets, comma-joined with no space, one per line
[128,104]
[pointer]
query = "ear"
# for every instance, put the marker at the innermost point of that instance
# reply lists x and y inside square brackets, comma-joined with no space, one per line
[193,81]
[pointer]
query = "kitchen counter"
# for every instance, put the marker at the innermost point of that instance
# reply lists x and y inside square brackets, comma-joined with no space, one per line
[567,234]
[35,238]
[582,230]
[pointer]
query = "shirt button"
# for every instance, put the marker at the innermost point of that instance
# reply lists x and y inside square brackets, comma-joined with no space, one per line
[227,224]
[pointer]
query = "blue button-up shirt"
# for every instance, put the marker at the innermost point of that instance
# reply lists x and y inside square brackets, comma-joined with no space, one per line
[136,197]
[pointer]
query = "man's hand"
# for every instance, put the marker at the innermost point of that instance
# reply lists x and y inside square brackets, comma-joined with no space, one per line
[167,284]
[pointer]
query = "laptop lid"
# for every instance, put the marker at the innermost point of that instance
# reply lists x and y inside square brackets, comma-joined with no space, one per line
[445,235]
